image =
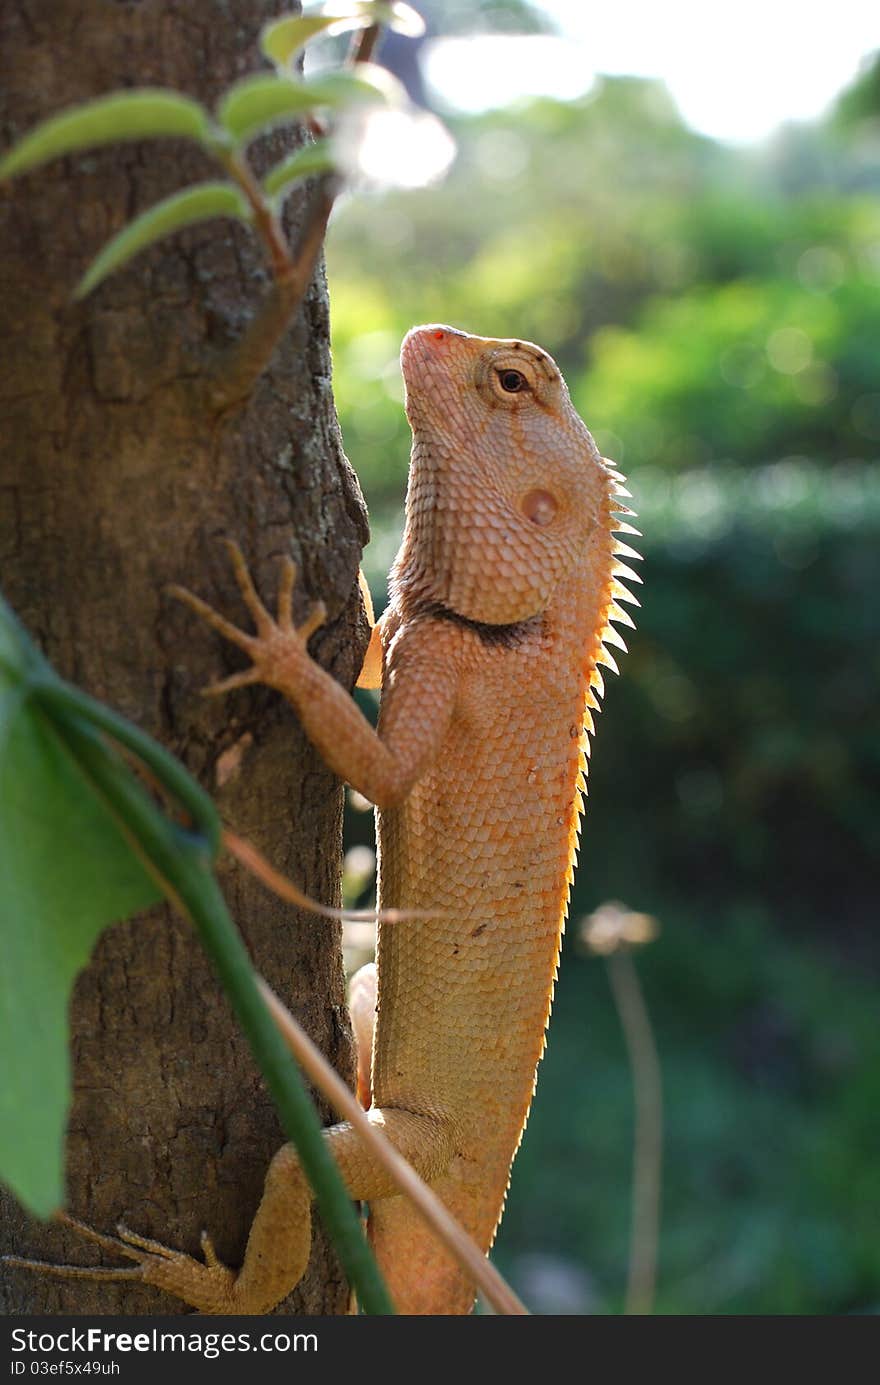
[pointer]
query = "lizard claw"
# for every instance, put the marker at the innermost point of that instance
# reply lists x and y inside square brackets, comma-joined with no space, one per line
[276,641]
[110,1244]
[211,1258]
[235,680]
[135,1246]
[250,595]
[213,618]
[313,621]
[285,593]
[317,615]
[208,1287]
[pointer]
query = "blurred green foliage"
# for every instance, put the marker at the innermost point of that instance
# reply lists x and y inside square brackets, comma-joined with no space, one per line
[698,310]
[717,316]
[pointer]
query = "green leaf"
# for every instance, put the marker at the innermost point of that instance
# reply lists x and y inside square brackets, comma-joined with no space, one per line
[198,203]
[365,83]
[282,40]
[140,114]
[258,103]
[312,158]
[66,872]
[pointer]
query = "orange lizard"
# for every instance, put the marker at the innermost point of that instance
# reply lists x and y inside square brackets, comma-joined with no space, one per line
[502,598]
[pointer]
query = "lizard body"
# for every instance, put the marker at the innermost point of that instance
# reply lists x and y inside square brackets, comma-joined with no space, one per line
[501,597]
[506,574]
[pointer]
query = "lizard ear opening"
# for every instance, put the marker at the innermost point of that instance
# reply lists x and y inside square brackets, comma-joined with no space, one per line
[540,507]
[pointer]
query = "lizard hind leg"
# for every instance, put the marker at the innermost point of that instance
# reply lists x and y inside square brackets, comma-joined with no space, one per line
[280,1237]
[275,1259]
[207,1286]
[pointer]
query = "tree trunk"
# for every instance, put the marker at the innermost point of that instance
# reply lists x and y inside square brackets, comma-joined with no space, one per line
[115,481]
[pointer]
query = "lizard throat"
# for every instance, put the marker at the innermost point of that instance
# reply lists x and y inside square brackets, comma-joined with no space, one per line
[507,636]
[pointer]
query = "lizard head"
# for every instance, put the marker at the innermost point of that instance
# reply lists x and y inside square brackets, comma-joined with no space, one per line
[506,488]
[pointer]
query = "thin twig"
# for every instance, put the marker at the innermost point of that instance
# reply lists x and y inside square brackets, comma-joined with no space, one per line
[363,45]
[253,860]
[292,272]
[494,1288]
[239,372]
[648,1140]
[266,223]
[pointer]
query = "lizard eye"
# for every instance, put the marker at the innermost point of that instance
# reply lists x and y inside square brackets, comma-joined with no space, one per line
[512,381]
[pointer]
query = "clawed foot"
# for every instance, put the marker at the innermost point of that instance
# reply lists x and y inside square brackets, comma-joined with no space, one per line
[208,1287]
[276,641]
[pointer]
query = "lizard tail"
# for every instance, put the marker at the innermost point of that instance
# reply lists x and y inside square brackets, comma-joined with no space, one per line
[422,1277]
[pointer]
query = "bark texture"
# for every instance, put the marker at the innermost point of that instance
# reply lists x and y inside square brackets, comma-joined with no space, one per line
[114,481]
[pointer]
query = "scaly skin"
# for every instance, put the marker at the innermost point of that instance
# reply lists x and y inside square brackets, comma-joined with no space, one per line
[501,596]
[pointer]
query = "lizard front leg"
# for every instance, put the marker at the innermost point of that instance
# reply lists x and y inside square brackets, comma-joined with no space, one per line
[417,698]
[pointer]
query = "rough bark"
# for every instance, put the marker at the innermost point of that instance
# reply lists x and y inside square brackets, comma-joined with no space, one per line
[116,480]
